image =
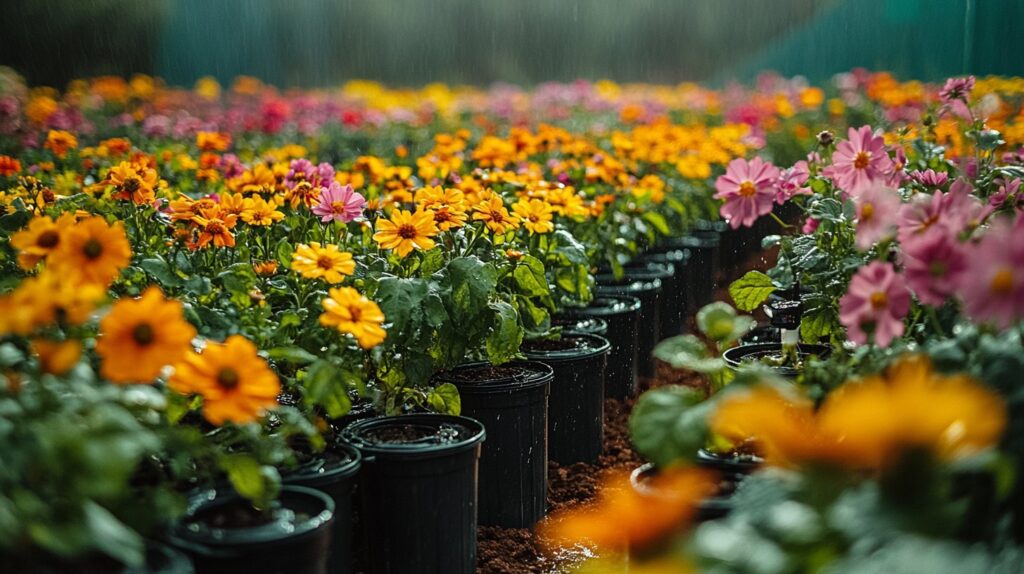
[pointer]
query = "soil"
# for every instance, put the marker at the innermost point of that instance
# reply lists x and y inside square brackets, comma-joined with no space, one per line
[547,345]
[485,373]
[400,434]
[231,516]
[517,550]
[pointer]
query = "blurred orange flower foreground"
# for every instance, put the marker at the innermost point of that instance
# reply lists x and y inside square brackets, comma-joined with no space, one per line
[623,517]
[868,424]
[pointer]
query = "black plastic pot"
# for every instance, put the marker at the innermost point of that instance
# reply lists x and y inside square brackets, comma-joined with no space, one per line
[511,401]
[576,403]
[703,265]
[728,464]
[710,508]
[581,324]
[295,540]
[736,356]
[360,411]
[644,284]
[334,474]
[622,314]
[418,492]
[162,559]
[671,300]
[676,306]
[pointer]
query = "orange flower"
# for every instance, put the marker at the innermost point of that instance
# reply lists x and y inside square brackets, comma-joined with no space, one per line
[9,166]
[213,141]
[139,337]
[534,214]
[265,268]
[57,358]
[59,142]
[495,216]
[406,231]
[40,238]
[92,251]
[236,383]
[448,206]
[868,424]
[215,227]
[260,212]
[625,517]
[328,263]
[348,311]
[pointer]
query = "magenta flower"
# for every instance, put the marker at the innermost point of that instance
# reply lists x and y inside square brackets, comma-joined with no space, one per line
[875,304]
[303,170]
[860,161]
[929,178]
[810,226]
[919,215]
[339,203]
[956,89]
[992,285]
[933,264]
[748,189]
[877,208]
[792,182]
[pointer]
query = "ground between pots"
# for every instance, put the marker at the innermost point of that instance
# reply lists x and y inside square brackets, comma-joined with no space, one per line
[518,550]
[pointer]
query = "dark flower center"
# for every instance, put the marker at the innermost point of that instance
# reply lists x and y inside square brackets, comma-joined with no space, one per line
[48,239]
[143,334]
[862,160]
[407,232]
[227,378]
[92,248]
[131,185]
[325,262]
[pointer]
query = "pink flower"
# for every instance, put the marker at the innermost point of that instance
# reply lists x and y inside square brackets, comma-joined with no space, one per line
[933,264]
[792,182]
[339,204]
[1006,190]
[859,161]
[875,305]
[303,170]
[877,208]
[748,189]
[810,226]
[956,89]
[992,285]
[929,178]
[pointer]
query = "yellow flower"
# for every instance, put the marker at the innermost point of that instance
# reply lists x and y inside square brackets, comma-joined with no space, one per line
[139,337]
[328,263]
[213,141]
[495,216]
[236,383]
[133,182]
[59,142]
[565,201]
[260,212]
[92,251]
[406,231]
[348,311]
[265,268]
[57,358]
[448,206]
[534,214]
[868,424]
[40,238]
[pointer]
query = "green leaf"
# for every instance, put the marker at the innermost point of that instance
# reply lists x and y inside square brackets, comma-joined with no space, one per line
[826,209]
[770,241]
[529,277]
[657,221]
[431,262]
[720,323]
[284,252]
[506,335]
[293,355]
[112,536]
[668,424]
[688,352]
[472,282]
[445,399]
[253,481]
[749,291]
[400,300]
[815,325]
[14,221]
[161,271]
[324,386]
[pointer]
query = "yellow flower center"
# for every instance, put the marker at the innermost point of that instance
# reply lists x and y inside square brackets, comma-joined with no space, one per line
[143,334]
[48,239]
[407,231]
[1002,282]
[92,249]
[862,160]
[338,207]
[747,188]
[879,300]
[867,211]
[227,378]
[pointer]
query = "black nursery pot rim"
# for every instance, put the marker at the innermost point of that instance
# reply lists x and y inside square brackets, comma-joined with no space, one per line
[538,374]
[597,346]
[712,460]
[605,305]
[643,269]
[629,283]
[357,433]
[276,531]
[319,472]
[734,356]
[581,324]
[708,508]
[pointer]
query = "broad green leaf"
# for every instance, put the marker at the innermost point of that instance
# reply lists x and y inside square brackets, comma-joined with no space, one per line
[657,221]
[506,335]
[284,252]
[253,481]
[112,536]
[688,352]
[721,324]
[472,282]
[529,277]
[400,300]
[815,325]
[444,399]
[161,271]
[668,424]
[325,387]
[293,355]
[749,291]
